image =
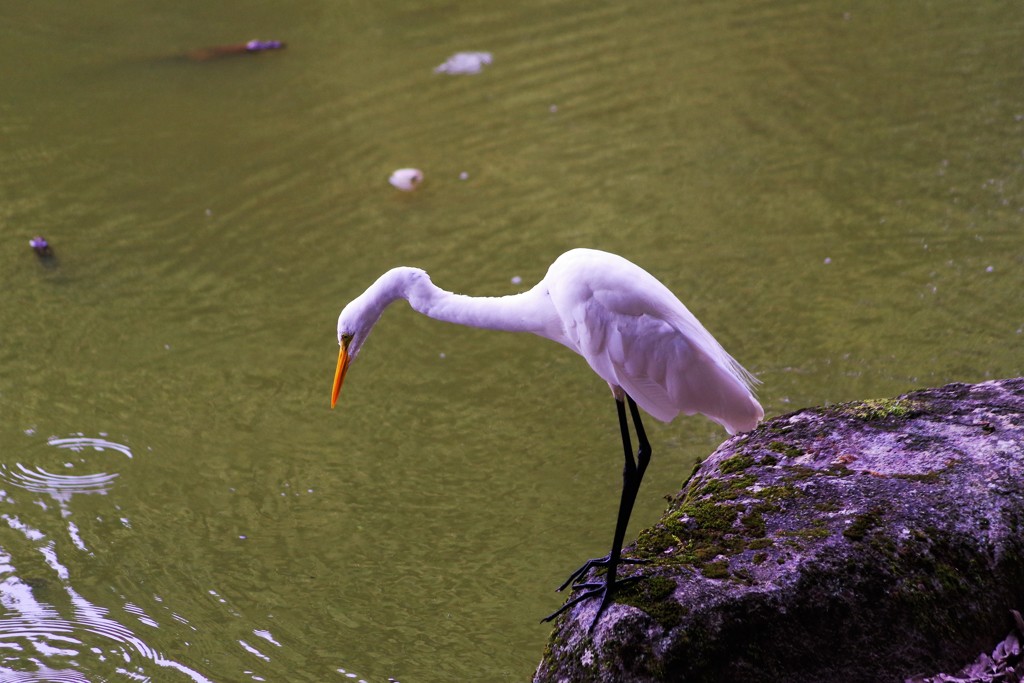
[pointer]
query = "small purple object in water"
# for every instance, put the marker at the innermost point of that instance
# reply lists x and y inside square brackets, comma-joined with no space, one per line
[260,45]
[41,246]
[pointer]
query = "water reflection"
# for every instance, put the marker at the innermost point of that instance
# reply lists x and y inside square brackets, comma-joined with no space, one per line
[49,630]
[57,638]
[35,635]
[61,487]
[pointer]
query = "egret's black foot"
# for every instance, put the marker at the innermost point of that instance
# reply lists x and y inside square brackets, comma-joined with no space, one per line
[577,576]
[604,590]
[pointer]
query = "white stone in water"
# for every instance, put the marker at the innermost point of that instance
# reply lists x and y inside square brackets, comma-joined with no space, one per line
[406,179]
[462,63]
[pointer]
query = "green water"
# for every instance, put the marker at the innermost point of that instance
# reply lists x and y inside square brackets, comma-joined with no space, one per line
[836,190]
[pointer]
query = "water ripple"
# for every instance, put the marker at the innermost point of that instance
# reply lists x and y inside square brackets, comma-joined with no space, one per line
[53,639]
[34,478]
[37,478]
[42,675]
[80,443]
[37,626]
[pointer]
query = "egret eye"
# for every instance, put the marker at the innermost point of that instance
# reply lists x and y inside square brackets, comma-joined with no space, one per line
[346,339]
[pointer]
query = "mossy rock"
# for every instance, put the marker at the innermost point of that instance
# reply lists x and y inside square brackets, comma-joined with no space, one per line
[886,534]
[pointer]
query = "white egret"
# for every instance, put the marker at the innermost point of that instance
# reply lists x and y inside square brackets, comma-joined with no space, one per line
[635,334]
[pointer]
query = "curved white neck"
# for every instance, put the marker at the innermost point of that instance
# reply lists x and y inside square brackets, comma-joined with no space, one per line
[529,311]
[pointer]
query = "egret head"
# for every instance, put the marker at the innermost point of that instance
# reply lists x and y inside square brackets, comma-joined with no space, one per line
[344,358]
[351,333]
[354,325]
[363,312]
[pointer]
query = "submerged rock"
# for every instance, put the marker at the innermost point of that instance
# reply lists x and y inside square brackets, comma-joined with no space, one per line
[870,541]
[406,179]
[251,47]
[465,63]
[41,246]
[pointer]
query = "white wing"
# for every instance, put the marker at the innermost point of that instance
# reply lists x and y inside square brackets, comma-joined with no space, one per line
[637,335]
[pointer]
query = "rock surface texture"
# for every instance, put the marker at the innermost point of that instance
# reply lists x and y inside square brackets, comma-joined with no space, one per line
[871,541]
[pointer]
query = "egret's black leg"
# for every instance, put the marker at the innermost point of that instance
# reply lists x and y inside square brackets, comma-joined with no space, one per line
[643,453]
[632,474]
[632,470]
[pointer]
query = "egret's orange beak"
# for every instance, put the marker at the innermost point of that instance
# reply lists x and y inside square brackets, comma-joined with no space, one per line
[339,374]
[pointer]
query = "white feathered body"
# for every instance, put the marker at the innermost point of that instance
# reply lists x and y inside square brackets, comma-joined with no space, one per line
[630,328]
[640,338]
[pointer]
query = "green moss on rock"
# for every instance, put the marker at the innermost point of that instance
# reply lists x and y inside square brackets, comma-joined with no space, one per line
[880,409]
[786,449]
[652,595]
[719,569]
[862,524]
[736,463]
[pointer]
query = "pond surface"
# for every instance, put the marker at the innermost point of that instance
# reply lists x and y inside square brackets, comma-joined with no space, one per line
[835,190]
